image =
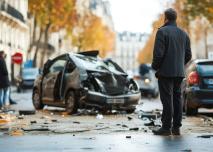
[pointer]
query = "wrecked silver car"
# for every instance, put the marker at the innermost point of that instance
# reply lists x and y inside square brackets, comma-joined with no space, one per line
[84,80]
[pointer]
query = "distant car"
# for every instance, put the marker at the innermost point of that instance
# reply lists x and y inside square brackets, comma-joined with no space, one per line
[145,77]
[198,86]
[83,80]
[26,78]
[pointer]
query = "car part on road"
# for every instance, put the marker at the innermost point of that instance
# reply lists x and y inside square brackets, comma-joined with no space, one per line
[27,112]
[36,129]
[205,136]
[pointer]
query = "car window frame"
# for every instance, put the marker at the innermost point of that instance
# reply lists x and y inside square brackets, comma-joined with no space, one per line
[62,57]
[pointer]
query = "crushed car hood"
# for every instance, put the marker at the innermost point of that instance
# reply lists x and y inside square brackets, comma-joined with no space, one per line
[110,83]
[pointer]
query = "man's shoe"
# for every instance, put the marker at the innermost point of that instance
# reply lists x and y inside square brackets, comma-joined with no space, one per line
[162,132]
[176,131]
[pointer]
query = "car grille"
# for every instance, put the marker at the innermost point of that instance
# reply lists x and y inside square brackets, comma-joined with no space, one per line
[112,90]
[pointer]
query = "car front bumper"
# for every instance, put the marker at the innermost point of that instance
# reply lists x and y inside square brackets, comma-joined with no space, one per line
[199,97]
[126,101]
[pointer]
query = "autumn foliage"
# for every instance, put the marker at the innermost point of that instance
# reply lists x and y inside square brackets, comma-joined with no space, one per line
[85,32]
[188,11]
[94,35]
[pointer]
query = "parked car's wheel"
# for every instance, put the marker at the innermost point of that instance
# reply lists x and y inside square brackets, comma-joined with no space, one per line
[71,103]
[188,110]
[155,94]
[37,100]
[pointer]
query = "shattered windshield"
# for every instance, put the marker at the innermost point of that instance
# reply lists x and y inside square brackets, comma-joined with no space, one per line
[92,63]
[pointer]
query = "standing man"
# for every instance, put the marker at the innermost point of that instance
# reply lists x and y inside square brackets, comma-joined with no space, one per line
[4,80]
[171,52]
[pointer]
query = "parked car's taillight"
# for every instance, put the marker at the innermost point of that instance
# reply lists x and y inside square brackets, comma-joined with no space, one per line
[137,77]
[193,78]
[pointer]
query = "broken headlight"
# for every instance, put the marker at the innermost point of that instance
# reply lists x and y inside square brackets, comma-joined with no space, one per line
[133,86]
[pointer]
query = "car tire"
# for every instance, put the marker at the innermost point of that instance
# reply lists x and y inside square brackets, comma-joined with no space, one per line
[71,103]
[188,110]
[155,95]
[191,111]
[37,100]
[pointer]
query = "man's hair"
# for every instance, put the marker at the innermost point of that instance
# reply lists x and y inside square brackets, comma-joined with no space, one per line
[1,53]
[170,14]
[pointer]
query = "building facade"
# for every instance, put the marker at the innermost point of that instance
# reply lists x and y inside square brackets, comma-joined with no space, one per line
[203,48]
[101,8]
[128,45]
[13,29]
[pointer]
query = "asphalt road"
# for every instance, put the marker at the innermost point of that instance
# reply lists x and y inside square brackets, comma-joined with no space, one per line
[87,132]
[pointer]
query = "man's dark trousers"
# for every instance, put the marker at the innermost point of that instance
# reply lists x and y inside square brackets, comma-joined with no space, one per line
[170,94]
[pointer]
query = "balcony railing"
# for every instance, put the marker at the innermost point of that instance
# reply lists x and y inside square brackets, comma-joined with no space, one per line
[11,10]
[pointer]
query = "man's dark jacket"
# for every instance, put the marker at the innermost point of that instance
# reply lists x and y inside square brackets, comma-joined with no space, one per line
[171,51]
[4,79]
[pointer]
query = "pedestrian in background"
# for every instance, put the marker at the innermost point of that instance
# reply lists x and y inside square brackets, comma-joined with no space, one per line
[4,81]
[171,52]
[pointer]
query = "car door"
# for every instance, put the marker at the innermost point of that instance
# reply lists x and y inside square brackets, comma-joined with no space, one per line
[52,79]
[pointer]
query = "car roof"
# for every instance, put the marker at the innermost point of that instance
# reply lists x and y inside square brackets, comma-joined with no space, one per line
[198,61]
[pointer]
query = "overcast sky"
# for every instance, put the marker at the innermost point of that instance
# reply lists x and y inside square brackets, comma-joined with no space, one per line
[136,15]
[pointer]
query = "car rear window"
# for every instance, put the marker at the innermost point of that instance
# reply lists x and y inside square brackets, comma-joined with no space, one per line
[206,68]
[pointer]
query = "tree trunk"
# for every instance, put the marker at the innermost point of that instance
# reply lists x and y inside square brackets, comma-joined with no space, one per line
[205,41]
[33,38]
[46,38]
[37,48]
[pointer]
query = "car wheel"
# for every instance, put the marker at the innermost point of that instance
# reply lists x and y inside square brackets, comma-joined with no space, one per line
[191,111]
[71,104]
[37,100]
[188,110]
[155,95]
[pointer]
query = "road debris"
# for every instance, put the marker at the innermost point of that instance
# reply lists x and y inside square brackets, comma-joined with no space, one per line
[205,136]
[27,112]
[128,137]
[124,126]
[36,129]
[16,133]
[99,116]
[6,118]
[186,150]
[33,122]
[129,118]
[76,122]
[20,117]
[54,120]
[134,129]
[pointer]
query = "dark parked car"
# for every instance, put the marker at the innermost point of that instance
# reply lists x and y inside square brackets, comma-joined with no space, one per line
[145,77]
[198,86]
[26,78]
[83,80]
